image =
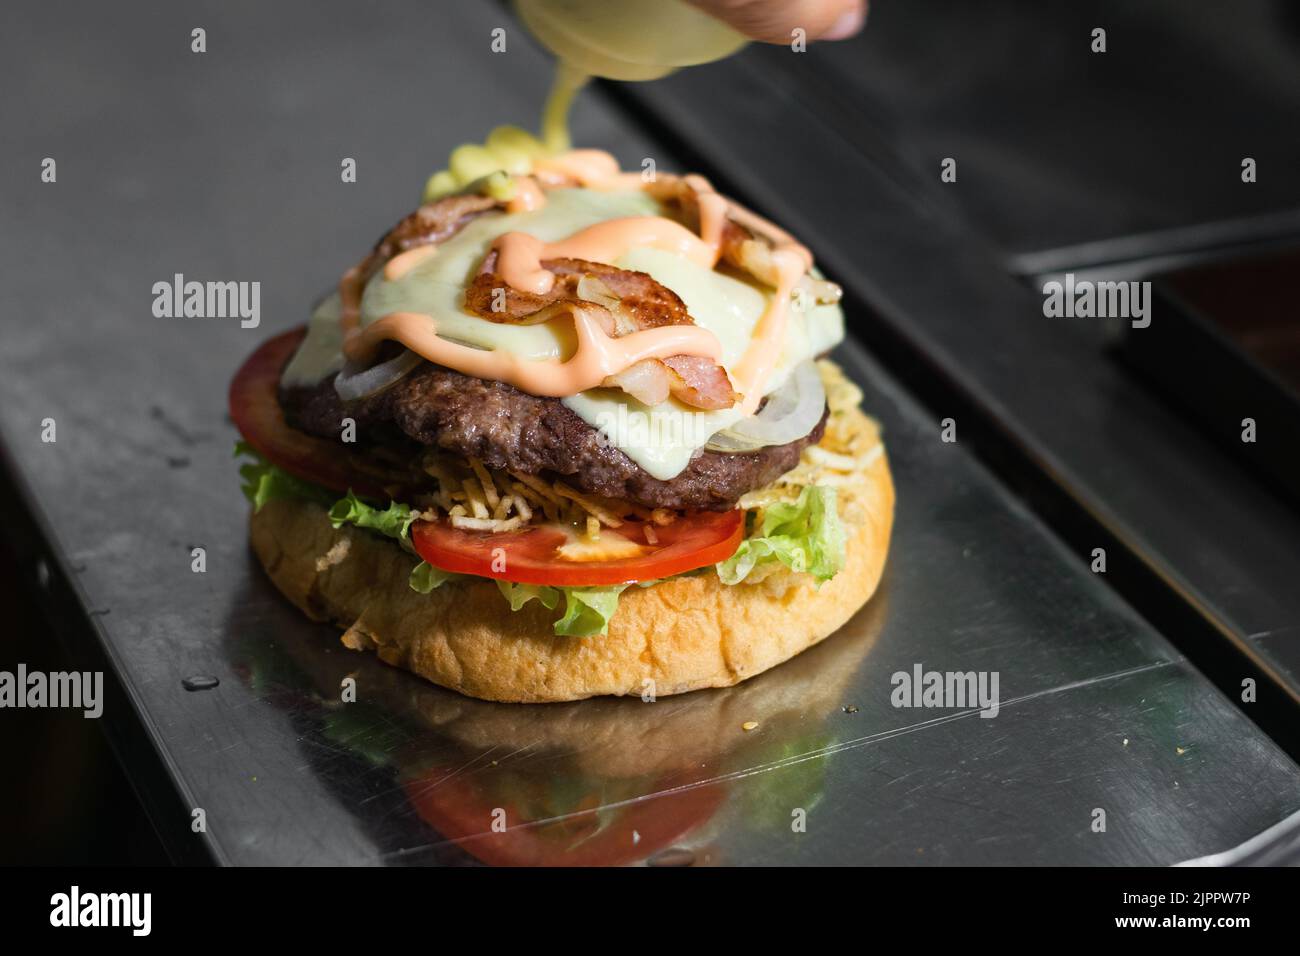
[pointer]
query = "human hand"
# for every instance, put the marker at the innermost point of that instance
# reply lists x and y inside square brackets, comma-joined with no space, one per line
[773,20]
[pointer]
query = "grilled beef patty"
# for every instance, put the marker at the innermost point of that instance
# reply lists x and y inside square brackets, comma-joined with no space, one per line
[509,429]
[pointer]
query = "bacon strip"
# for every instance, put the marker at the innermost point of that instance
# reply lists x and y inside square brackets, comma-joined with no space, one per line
[641,303]
[432,223]
[649,382]
[697,382]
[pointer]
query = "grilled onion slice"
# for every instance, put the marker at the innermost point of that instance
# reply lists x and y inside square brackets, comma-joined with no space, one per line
[353,383]
[791,412]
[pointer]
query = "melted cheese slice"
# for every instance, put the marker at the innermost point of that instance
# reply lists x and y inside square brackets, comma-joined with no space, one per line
[661,439]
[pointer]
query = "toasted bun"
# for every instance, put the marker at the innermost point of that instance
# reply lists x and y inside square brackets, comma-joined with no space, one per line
[682,634]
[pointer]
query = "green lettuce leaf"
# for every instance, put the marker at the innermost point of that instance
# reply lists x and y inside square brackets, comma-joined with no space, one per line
[520,594]
[263,481]
[804,535]
[587,610]
[394,521]
[425,577]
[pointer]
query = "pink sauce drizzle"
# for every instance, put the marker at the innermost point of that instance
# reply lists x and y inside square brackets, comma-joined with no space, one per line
[521,255]
[404,262]
[528,196]
[597,355]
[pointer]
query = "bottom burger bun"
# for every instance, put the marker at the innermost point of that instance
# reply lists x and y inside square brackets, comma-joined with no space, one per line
[682,634]
[588,738]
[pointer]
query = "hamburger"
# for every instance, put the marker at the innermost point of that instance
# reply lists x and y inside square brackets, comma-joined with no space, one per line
[567,431]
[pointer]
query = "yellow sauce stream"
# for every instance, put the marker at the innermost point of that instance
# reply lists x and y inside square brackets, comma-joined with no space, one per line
[555,115]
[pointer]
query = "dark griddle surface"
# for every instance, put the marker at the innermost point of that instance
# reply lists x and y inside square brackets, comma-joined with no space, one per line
[226,166]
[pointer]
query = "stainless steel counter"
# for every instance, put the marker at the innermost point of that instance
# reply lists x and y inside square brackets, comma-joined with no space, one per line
[225,165]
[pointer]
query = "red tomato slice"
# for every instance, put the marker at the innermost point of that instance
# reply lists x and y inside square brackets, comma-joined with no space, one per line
[525,557]
[256,412]
[457,807]
[531,556]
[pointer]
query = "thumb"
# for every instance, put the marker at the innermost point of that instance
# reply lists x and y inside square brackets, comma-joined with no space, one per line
[773,20]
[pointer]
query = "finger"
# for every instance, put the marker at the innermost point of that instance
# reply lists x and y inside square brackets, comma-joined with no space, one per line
[774,20]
